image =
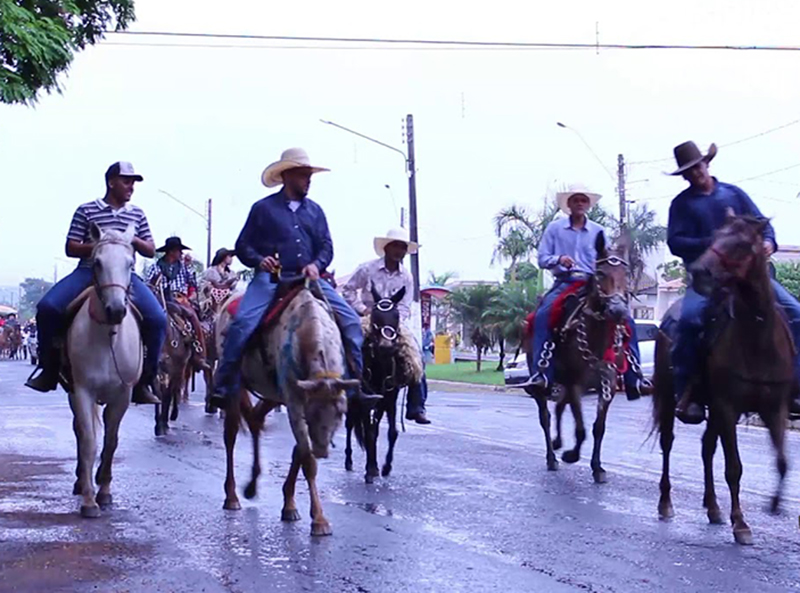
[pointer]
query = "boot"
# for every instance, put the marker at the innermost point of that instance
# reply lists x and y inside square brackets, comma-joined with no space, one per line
[537,382]
[688,411]
[199,362]
[47,378]
[794,408]
[419,418]
[145,391]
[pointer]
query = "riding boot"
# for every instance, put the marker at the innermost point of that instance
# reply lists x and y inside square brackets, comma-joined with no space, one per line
[146,390]
[689,411]
[47,378]
[794,407]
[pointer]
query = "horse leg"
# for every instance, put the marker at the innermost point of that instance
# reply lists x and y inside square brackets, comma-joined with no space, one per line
[319,524]
[232,419]
[371,425]
[560,405]
[776,423]
[77,488]
[349,421]
[598,431]
[208,377]
[112,417]
[391,416]
[667,430]
[85,414]
[289,512]
[255,422]
[180,393]
[573,455]
[733,474]
[709,493]
[544,420]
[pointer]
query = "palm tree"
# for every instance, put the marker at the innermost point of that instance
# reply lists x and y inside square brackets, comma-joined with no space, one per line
[515,246]
[507,312]
[470,304]
[645,236]
[435,279]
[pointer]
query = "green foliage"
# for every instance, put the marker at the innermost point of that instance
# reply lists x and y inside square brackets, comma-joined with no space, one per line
[463,371]
[524,272]
[38,39]
[646,235]
[672,270]
[435,279]
[513,246]
[509,307]
[469,305]
[31,292]
[788,274]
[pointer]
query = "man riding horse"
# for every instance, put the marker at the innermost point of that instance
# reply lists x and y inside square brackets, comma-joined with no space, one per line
[179,283]
[387,276]
[114,212]
[568,250]
[694,215]
[287,233]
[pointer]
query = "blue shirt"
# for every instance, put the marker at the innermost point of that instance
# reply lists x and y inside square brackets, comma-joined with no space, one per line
[299,237]
[693,218]
[561,239]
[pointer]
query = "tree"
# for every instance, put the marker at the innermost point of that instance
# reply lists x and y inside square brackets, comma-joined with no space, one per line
[38,39]
[514,246]
[645,235]
[788,274]
[672,270]
[435,279]
[470,304]
[509,307]
[31,292]
[525,271]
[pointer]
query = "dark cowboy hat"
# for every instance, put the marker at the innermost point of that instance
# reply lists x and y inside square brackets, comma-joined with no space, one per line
[687,155]
[220,255]
[173,243]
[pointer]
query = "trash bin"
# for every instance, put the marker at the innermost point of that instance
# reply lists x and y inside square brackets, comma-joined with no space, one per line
[442,350]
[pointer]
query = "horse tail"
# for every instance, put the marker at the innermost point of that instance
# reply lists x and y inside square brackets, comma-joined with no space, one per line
[358,415]
[663,412]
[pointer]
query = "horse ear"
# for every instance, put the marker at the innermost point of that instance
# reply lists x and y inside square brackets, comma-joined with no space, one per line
[398,296]
[729,214]
[94,232]
[600,245]
[129,233]
[375,296]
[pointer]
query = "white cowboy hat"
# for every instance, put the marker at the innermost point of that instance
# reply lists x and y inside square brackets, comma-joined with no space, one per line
[291,158]
[563,197]
[401,235]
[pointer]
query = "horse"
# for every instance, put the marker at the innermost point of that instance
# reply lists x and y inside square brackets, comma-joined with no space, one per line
[590,352]
[747,367]
[211,298]
[390,355]
[105,352]
[172,369]
[299,363]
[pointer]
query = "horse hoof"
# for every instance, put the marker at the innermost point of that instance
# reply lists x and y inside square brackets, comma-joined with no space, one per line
[90,512]
[290,515]
[348,465]
[599,477]
[715,517]
[387,469]
[76,489]
[174,416]
[743,537]
[104,500]
[570,456]
[210,409]
[250,491]
[556,443]
[552,464]
[775,506]
[160,430]
[321,529]
[369,478]
[232,505]
[665,512]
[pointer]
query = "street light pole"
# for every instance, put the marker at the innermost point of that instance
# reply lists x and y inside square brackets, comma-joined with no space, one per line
[586,144]
[206,217]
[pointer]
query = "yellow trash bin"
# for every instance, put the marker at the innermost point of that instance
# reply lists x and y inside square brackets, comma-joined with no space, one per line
[442,350]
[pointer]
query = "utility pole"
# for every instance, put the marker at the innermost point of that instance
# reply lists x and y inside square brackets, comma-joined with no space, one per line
[208,242]
[621,189]
[412,202]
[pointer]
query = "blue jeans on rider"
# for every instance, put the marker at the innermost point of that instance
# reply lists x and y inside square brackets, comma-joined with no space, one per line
[51,313]
[254,305]
[542,333]
[417,396]
[693,321]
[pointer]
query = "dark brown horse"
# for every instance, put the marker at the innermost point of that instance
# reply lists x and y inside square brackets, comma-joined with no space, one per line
[747,369]
[582,355]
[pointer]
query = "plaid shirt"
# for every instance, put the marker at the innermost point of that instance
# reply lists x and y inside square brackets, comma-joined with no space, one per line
[183,279]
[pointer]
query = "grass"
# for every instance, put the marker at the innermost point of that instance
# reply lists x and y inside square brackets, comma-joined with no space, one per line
[464,372]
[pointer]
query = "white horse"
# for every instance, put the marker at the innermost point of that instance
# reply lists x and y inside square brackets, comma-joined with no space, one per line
[105,351]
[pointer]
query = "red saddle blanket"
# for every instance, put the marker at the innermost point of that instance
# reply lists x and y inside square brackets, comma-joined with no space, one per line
[275,309]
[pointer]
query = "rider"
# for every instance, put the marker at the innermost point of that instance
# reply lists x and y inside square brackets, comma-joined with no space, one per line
[285,233]
[179,285]
[113,212]
[219,274]
[388,275]
[568,250]
[694,215]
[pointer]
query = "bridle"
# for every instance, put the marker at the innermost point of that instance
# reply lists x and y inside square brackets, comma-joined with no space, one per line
[614,261]
[101,287]
[386,331]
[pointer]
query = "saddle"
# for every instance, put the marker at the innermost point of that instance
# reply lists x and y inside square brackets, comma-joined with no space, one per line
[567,306]
[91,293]
[284,295]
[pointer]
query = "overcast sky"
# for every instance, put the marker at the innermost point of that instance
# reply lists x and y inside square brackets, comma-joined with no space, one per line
[202,122]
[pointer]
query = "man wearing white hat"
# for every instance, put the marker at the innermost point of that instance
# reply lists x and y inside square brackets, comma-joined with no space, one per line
[568,250]
[388,275]
[285,233]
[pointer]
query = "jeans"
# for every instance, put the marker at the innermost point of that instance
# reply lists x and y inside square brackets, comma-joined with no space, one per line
[257,299]
[417,396]
[693,320]
[51,313]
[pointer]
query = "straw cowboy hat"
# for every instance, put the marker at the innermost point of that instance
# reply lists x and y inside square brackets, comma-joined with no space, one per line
[292,158]
[687,155]
[393,235]
[563,197]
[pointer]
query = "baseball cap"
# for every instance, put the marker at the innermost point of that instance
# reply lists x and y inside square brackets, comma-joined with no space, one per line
[122,169]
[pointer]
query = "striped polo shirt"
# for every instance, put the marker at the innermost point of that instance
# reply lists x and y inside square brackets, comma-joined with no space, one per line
[107,218]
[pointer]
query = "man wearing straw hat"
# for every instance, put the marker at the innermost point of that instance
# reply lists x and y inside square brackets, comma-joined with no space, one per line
[694,215]
[388,275]
[568,250]
[285,233]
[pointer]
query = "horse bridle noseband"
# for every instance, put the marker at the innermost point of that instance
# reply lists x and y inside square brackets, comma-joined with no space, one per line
[101,287]
[386,331]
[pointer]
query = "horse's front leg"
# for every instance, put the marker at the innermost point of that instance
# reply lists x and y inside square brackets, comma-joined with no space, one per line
[544,420]
[289,512]
[709,492]
[560,405]
[83,409]
[233,415]
[371,419]
[574,394]
[776,423]
[349,421]
[255,423]
[319,524]
[391,416]
[667,429]
[604,399]
[733,471]
[112,417]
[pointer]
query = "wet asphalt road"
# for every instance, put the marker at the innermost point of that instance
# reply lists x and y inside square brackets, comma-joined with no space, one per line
[470,507]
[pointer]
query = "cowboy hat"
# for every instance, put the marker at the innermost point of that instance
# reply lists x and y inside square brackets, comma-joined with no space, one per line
[173,243]
[221,254]
[393,235]
[687,155]
[563,197]
[292,158]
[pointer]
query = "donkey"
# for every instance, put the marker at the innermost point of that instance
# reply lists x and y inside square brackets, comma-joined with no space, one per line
[105,351]
[749,367]
[299,363]
[591,352]
[389,353]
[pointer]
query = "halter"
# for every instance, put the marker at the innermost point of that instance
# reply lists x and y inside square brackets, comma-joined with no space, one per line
[614,261]
[101,287]
[387,331]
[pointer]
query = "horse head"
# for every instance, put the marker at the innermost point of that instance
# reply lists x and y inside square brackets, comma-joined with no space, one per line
[608,294]
[736,254]
[112,266]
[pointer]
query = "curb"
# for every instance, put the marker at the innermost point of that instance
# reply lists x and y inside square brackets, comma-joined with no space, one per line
[442,385]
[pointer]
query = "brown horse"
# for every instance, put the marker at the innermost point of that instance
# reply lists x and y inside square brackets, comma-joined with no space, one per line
[748,369]
[590,352]
[173,365]
[211,299]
